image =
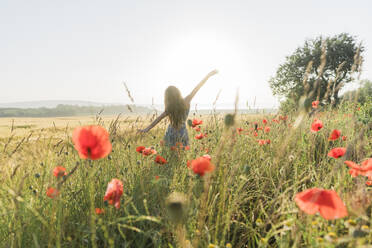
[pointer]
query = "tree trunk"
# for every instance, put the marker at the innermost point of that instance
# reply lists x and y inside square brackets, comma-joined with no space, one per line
[336,99]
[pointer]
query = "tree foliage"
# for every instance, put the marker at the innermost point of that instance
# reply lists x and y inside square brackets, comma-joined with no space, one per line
[318,69]
[362,94]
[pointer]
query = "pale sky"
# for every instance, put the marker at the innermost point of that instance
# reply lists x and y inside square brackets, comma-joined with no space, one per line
[84,50]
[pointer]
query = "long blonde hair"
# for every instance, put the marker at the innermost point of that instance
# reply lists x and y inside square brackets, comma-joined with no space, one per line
[175,106]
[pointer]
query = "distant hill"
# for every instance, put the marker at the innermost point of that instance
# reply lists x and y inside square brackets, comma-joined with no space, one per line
[73,110]
[55,103]
[227,111]
[52,104]
[57,108]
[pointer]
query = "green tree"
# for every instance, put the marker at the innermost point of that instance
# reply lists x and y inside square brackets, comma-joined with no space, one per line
[362,94]
[325,64]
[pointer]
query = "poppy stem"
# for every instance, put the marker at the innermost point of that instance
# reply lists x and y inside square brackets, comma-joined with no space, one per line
[68,175]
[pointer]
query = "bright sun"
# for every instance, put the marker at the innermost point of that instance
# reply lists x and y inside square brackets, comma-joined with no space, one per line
[191,56]
[200,52]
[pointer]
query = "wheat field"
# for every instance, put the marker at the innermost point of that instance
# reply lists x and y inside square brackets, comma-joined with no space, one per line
[247,201]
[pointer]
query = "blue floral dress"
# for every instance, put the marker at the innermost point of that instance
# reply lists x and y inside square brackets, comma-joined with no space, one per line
[174,136]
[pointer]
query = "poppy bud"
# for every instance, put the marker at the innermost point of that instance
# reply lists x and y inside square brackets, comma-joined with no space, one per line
[359,233]
[229,120]
[176,205]
[189,122]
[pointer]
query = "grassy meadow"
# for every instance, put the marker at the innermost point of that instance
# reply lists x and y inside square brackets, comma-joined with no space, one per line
[247,201]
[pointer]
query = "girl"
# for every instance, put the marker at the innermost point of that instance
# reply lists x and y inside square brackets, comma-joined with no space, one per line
[177,110]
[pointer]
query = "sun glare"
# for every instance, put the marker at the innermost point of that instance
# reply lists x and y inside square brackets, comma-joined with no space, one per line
[200,52]
[194,55]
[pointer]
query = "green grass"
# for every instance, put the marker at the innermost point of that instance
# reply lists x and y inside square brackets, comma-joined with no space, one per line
[247,201]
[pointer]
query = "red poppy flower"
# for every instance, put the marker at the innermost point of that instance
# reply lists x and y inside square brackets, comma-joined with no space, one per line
[52,192]
[261,142]
[367,163]
[148,151]
[196,122]
[315,104]
[335,134]
[344,138]
[197,129]
[113,192]
[268,141]
[140,149]
[354,173]
[316,126]
[337,152]
[259,128]
[365,169]
[264,121]
[187,148]
[267,129]
[239,130]
[326,202]
[59,171]
[255,133]
[99,211]
[369,175]
[283,117]
[199,136]
[201,166]
[160,160]
[91,142]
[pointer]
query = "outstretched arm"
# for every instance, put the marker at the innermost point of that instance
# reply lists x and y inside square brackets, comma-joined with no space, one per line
[197,88]
[154,123]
